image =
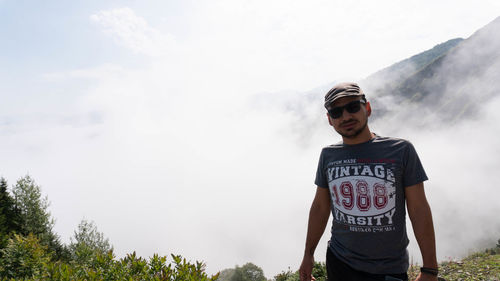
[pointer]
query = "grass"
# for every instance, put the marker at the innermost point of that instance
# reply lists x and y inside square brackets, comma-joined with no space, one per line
[478,266]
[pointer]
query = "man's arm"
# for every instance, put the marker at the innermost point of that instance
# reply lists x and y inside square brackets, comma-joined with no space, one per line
[423,227]
[318,218]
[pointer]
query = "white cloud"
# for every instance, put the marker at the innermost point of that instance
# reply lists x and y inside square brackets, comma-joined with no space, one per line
[133,31]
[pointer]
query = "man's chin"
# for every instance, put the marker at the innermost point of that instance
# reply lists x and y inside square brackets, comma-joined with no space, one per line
[350,135]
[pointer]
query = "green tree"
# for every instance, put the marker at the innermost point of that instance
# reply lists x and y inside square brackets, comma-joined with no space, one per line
[23,257]
[5,205]
[9,216]
[35,216]
[87,242]
[248,272]
[226,274]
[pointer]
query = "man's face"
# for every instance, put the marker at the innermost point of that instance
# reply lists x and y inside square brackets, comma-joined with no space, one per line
[350,125]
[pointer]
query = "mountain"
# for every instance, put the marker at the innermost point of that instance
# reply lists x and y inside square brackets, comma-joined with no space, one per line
[384,80]
[450,81]
[439,87]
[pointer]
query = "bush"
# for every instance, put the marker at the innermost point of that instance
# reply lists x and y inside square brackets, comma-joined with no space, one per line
[131,267]
[318,271]
[23,257]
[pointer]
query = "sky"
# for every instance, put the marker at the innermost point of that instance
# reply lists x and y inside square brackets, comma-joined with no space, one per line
[172,124]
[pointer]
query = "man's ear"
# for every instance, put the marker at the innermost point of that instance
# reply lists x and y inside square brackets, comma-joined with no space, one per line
[368,108]
[330,121]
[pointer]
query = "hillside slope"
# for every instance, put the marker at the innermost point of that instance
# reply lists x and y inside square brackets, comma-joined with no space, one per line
[452,85]
[385,80]
[478,266]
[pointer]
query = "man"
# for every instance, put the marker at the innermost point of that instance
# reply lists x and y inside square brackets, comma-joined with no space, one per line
[365,181]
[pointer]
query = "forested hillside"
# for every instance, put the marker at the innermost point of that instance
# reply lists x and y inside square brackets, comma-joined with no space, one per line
[449,81]
[384,81]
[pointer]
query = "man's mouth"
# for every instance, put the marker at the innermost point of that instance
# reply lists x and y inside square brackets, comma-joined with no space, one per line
[349,124]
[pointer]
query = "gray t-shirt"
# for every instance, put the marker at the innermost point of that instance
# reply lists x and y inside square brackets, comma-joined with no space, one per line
[367,184]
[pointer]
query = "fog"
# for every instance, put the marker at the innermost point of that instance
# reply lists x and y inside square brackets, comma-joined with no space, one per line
[207,153]
[455,131]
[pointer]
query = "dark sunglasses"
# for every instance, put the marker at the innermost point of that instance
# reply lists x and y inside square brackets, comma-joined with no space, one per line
[352,107]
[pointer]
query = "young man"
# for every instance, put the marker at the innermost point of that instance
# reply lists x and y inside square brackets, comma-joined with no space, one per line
[365,181]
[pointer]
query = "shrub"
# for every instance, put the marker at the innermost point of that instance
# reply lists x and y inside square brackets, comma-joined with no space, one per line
[23,257]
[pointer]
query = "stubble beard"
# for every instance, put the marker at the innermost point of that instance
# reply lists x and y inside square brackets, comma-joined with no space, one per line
[353,134]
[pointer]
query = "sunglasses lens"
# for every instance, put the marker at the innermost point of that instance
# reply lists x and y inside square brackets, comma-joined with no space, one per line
[353,107]
[336,112]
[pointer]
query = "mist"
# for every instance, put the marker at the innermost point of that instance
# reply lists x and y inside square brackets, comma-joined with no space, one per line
[210,152]
[455,132]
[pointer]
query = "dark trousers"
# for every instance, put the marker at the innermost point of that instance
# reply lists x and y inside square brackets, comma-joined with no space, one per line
[337,270]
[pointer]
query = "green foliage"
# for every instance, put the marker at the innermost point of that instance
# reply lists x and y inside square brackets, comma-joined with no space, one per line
[131,267]
[35,253]
[87,242]
[495,250]
[10,218]
[248,272]
[287,276]
[478,266]
[318,271]
[33,208]
[23,257]
[226,274]
[35,216]
[5,205]
[30,261]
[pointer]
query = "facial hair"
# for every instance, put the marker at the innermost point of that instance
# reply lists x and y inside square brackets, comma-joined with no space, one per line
[356,132]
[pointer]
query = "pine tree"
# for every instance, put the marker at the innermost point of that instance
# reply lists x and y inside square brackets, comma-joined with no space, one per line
[10,219]
[4,209]
[5,205]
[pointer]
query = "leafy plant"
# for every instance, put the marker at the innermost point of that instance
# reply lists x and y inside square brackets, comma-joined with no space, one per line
[23,257]
[36,218]
[87,242]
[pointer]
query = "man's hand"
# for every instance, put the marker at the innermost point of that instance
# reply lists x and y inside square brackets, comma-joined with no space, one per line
[318,218]
[426,277]
[423,227]
[305,271]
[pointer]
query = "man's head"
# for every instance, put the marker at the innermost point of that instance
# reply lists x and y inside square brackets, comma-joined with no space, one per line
[348,110]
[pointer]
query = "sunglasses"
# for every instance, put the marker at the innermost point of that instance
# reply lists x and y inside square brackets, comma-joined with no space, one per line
[352,107]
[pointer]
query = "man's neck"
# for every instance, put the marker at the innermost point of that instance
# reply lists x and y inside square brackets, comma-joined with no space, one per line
[364,136]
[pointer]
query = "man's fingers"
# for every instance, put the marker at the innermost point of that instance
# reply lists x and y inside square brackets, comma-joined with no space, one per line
[306,277]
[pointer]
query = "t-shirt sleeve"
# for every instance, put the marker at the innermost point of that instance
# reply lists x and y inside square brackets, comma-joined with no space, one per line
[321,172]
[413,170]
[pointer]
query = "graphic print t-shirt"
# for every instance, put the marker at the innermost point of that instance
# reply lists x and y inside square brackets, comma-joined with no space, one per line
[367,185]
